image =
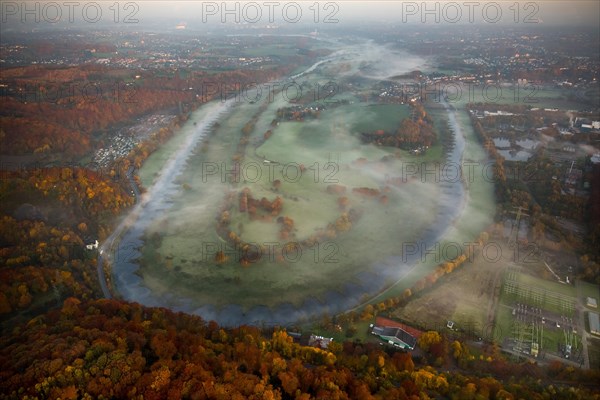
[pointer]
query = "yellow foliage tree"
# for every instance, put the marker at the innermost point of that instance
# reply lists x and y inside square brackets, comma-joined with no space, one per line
[457,349]
[428,339]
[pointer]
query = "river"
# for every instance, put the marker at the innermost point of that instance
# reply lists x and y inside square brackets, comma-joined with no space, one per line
[122,248]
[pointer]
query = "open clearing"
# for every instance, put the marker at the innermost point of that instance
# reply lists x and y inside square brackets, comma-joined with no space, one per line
[224,247]
[464,296]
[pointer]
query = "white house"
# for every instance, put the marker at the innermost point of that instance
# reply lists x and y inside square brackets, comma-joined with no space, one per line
[92,246]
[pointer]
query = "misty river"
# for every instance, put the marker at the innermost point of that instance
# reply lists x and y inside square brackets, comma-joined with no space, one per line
[445,204]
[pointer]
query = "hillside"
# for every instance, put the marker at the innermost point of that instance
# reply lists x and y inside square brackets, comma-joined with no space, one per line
[108,349]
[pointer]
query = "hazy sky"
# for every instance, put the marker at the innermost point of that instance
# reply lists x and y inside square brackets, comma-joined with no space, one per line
[445,11]
[281,12]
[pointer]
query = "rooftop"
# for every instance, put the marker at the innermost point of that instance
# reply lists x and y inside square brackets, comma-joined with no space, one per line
[594,323]
[381,321]
[396,332]
[319,341]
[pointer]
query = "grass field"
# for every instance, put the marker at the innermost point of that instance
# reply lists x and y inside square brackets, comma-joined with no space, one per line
[464,297]
[380,116]
[479,209]
[180,265]
[504,324]
[183,265]
[538,96]
[363,333]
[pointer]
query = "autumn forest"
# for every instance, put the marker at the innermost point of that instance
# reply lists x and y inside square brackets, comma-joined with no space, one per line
[82,111]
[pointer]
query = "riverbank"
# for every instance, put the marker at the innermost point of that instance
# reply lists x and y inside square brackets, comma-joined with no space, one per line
[178,220]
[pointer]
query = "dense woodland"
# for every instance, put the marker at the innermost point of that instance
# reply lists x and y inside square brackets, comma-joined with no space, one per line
[93,349]
[412,133]
[64,110]
[108,349]
[47,215]
[42,253]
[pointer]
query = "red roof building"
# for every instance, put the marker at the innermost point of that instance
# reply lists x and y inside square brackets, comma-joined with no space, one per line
[389,323]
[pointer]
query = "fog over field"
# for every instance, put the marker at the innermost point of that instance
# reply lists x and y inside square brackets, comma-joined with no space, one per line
[378,199]
[167,257]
